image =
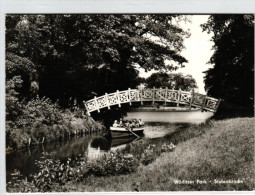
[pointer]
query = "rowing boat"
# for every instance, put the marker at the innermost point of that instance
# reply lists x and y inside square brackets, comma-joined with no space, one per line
[124,131]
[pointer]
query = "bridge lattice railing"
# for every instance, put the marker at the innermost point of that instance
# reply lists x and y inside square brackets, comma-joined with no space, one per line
[154,95]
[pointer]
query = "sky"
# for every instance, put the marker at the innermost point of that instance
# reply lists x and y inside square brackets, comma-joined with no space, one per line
[198,50]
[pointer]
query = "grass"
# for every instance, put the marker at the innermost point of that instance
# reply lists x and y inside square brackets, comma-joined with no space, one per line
[223,151]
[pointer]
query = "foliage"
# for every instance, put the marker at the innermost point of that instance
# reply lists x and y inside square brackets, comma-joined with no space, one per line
[86,55]
[232,77]
[171,81]
[55,171]
[51,172]
[148,155]
[168,147]
[26,70]
[113,163]
[13,107]
[42,120]
[31,120]
[22,186]
[40,110]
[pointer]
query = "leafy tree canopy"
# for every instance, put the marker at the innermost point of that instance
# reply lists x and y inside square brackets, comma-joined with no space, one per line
[23,68]
[172,81]
[232,77]
[85,55]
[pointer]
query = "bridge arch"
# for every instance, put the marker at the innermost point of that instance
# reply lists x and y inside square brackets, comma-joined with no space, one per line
[153,95]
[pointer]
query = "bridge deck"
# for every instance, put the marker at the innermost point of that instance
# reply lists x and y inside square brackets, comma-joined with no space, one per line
[154,95]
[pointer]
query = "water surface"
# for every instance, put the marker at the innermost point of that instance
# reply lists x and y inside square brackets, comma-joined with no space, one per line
[194,117]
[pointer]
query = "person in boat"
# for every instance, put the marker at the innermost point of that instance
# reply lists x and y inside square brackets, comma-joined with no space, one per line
[140,122]
[115,124]
[121,123]
[136,123]
[132,123]
[126,124]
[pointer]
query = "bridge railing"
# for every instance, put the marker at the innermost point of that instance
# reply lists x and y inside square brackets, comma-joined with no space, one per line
[154,95]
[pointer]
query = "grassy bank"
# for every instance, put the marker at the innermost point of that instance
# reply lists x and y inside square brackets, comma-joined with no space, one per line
[224,151]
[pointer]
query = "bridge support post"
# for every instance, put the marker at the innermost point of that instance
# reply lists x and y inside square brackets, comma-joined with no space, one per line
[166,95]
[179,97]
[217,105]
[97,106]
[153,95]
[191,98]
[129,95]
[204,102]
[107,101]
[87,109]
[118,98]
[141,95]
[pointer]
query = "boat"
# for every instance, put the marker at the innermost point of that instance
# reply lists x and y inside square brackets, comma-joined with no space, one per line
[124,131]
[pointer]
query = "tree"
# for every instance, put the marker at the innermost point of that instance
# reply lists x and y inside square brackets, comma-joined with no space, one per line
[172,81]
[86,55]
[23,68]
[232,77]
[13,107]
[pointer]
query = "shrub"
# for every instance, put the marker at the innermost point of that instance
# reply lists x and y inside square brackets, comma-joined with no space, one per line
[23,186]
[149,155]
[42,119]
[40,111]
[13,106]
[113,163]
[55,171]
[18,138]
[168,148]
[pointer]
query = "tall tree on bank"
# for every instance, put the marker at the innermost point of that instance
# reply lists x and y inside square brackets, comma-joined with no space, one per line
[82,56]
[232,77]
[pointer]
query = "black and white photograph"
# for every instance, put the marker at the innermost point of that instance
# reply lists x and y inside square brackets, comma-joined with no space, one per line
[129,102]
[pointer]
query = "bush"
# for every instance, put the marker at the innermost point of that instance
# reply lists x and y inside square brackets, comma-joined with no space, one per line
[168,148]
[13,106]
[113,163]
[149,155]
[51,172]
[40,111]
[41,119]
[18,138]
[23,187]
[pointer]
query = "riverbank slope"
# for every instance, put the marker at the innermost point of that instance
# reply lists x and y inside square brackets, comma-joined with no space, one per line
[217,156]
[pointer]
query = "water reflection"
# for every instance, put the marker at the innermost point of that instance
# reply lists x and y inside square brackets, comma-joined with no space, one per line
[24,160]
[97,147]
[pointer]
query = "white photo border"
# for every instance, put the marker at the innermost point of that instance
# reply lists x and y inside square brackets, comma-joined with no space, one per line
[105,6]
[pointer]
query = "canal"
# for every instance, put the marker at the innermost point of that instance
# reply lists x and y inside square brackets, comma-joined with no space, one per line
[157,124]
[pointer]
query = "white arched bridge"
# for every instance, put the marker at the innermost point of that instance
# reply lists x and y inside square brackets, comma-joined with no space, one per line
[153,95]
